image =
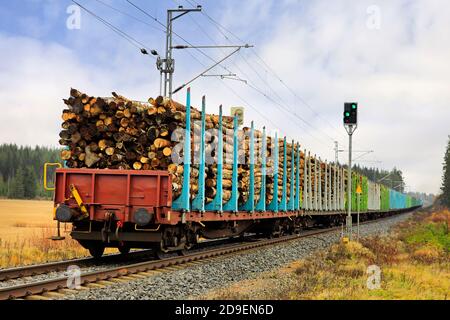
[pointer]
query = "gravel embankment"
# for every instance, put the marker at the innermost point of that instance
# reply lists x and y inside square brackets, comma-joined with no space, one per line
[199,279]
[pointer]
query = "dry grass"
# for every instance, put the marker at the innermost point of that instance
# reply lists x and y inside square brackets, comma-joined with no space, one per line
[38,248]
[19,218]
[414,261]
[25,227]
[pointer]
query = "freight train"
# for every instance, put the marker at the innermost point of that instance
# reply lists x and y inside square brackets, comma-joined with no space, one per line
[128,209]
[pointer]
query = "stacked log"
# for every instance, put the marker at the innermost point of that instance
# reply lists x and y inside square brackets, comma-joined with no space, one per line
[212,157]
[244,166]
[118,133]
[281,171]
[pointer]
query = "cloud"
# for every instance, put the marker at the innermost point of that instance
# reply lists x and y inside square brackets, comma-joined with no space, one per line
[36,76]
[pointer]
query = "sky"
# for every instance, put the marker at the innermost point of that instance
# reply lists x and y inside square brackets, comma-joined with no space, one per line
[309,57]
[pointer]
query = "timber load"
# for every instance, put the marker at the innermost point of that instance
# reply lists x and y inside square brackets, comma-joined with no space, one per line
[118,133]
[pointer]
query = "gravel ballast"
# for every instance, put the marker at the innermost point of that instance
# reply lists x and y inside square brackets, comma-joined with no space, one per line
[197,280]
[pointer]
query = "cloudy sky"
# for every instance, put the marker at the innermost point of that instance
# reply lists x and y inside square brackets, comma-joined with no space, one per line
[391,56]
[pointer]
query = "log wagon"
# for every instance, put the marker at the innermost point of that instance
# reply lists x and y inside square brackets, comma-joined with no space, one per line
[161,175]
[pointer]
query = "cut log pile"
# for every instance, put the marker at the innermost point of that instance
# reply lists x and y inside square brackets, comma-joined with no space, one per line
[118,133]
[212,156]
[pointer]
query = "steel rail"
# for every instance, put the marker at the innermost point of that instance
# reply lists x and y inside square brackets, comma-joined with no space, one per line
[57,266]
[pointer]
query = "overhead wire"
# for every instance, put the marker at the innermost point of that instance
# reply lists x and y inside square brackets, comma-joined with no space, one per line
[137,43]
[115,29]
[178,35]
[129,15]
[193,56]
[238,96]
[284,107]
[221,29]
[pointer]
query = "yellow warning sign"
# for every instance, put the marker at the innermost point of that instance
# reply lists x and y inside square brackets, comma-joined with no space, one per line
[358,190]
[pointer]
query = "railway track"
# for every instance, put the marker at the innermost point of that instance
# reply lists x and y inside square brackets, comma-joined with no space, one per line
[59,266]
[55,288]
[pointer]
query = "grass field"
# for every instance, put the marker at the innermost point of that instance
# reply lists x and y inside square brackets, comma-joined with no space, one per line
[25,227]
[22,218]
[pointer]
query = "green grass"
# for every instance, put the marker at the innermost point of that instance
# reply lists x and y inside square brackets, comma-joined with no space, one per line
[434,234]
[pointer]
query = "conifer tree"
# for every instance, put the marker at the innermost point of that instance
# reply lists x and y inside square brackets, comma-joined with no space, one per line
[17,190]
[29,183]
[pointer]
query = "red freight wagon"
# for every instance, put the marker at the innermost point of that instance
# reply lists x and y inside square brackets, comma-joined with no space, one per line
[133,209]
[116,208]
[121,194]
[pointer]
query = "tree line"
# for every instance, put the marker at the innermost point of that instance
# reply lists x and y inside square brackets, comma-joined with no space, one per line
[392,179]
[21,170]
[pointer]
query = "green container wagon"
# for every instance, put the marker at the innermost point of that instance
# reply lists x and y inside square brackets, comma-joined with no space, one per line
[365,194]
[385,204]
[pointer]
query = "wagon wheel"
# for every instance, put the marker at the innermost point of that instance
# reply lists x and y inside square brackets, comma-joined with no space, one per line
[124,250]
[97,250]
[159,251]
[161,255]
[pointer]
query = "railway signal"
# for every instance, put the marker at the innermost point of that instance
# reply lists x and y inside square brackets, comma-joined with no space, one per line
[350,113]
[350,124]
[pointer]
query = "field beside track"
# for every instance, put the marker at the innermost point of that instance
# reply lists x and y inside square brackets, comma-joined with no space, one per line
[23,218]
[413,262]
[25,226]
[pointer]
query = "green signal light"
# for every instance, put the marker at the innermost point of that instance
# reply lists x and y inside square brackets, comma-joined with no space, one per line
[353,106]
[347,114]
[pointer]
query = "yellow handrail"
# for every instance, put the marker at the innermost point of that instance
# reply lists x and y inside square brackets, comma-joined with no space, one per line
[46,187]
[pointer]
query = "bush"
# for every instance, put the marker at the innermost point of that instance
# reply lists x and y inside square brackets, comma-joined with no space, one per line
[434,234]
[386,250]
[350,251]
[428,254]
